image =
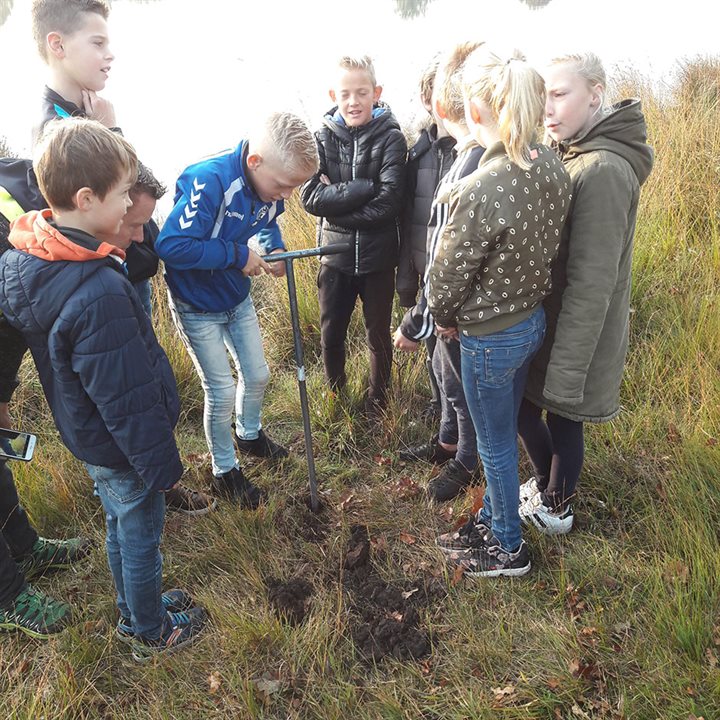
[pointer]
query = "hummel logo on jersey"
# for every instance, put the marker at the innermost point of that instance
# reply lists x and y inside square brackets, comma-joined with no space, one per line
[186,219]
[233,214]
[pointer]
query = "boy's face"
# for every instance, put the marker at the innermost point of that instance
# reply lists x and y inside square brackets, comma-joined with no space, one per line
[104,217]
[571,103]
[85,53]
[131,227]
[271,181]
[355,96]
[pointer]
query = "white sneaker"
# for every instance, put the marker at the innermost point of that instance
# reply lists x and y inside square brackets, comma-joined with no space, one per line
[528,489]
[547,521]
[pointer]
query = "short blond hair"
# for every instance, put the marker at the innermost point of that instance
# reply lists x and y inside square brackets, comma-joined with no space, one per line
[515,93]
[74,153]
[589,67]
[427,80]
[62,16]
[288,139]
[448,81]
[364,62]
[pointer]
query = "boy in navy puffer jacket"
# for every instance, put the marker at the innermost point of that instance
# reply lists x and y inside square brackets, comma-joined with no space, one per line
[107,380]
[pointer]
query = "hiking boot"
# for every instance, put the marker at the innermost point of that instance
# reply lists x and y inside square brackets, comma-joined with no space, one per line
[188,501]
[47,555]
[263,446]
[528,489]
[491,560]
[235,487]
[450,481]
[547,520]
[179,630]
[173,601]
[471,535]
[36,614]
[431,452]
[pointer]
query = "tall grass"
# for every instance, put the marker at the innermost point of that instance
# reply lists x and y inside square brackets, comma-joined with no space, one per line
[618,620]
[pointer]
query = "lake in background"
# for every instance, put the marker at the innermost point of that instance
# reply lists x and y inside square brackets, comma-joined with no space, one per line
[189,76]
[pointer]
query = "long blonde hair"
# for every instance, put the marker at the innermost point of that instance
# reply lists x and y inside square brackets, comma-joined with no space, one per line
[515,93]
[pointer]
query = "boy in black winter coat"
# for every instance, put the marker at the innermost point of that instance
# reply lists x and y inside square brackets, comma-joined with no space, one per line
[357,195]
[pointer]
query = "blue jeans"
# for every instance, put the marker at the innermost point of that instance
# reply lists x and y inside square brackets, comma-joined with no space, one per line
[206,335]
[494,373]
[134,517]
[144,290]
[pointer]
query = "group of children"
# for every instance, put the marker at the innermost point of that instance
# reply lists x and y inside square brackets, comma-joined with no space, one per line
[513,261]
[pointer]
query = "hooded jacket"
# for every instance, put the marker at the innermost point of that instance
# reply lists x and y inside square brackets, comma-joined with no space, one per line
[429,160]
[107,380]
[204,241]
[366,168]
[578,370]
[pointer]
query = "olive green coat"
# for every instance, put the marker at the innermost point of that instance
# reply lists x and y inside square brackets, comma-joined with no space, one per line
[578,370]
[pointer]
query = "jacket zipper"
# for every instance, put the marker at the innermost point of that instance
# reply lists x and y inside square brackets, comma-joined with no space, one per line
[357,233]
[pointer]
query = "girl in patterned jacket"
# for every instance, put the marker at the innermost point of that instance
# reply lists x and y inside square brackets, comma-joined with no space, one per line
[486,286]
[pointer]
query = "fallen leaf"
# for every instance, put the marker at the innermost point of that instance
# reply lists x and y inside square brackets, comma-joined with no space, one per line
[579,712]
[676,570]
[711,658]
[214,681]
[457,575]
[379,544]
[711,441]
[554,683]
[345,499]
[406,488]
[407,538]
[396,616]
[382,460]
[446,513]
[268,687]
[691,691]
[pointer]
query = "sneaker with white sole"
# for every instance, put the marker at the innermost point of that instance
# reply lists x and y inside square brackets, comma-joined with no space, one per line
[471,535]
[528,489]
[545,519]
[491,560]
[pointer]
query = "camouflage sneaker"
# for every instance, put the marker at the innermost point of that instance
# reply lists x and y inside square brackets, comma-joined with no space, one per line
[173,601]
[178,631]
[35,614]
[50,554]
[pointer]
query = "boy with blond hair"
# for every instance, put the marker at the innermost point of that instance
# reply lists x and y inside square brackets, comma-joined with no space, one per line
[454,446]
[107,380]
[220,203]
[357,195]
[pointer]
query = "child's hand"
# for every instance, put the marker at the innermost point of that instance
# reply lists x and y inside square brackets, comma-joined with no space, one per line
[98,108]
[403,343]
[449,333]
[277,269]
[325,180]
[255,265]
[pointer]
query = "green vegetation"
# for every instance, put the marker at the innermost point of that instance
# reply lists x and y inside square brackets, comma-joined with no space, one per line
[620,619]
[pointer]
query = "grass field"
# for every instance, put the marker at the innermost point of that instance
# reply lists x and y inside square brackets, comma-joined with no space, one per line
[620,619]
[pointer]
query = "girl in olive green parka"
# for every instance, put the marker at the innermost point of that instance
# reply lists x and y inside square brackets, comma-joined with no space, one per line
[576,375]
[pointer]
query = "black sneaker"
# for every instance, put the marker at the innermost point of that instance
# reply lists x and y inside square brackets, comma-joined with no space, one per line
[35,613]
[188,501]
[234,486]
[471,535]
[263,446]
[173,601]
[450,481]
[491,560]
[48,554]
[431,452]
[179,630]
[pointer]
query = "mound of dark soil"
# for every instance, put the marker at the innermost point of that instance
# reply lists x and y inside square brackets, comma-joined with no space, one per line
[289,599]
[386,615]
[298,520]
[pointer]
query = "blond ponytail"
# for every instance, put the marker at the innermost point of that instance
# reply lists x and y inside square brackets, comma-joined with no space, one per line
[515,93]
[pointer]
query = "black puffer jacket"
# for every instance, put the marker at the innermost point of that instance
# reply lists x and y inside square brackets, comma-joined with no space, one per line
[428,161]
[366,168]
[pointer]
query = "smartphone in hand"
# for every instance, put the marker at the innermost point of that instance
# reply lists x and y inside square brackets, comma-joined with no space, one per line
[16,445]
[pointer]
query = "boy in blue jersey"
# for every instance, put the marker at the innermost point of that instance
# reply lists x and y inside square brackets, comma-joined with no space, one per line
[220,203]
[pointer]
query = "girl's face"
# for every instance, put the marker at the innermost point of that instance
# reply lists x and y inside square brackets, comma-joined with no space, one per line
[572,103]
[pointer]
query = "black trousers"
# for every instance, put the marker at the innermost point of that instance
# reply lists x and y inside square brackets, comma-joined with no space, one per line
[556,449]
[16,539]
[338,294]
